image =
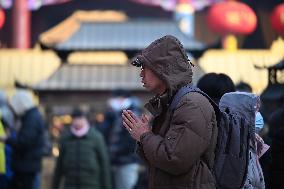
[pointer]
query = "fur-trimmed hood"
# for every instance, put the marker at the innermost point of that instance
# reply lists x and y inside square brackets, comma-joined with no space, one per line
[167,58]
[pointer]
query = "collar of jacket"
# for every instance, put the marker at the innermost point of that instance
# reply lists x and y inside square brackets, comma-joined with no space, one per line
[157,104]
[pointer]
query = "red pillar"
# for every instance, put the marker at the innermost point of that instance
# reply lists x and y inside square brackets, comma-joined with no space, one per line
[21,24]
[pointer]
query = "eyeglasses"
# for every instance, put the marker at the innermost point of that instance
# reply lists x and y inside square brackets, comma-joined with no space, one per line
[137,63]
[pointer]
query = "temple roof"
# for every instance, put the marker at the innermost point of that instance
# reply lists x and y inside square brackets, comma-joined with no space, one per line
[82,32]
[79,77]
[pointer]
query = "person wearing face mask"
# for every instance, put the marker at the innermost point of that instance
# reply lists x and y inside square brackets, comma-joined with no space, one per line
[257,147]
[263,142]
[83,159]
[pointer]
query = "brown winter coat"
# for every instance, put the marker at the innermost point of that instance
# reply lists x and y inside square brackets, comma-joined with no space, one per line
[180,148]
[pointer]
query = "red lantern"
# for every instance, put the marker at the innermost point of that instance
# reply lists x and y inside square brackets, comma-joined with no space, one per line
[277,18]
[231,17]
[2,18]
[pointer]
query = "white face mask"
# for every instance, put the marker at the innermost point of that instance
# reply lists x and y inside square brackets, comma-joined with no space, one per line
[258,121]
[84,127]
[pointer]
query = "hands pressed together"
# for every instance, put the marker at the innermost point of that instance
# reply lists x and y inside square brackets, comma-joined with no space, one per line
[134,125]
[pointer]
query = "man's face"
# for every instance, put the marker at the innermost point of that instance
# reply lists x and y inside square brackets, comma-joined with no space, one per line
[79,122]
[151,82]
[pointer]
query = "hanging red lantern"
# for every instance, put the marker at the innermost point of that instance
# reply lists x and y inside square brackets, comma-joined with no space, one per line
[277,18]
[231,17]
[2,18]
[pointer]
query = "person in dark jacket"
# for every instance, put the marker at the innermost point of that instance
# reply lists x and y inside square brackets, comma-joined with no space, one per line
[83,159]
[243,86]
[178,146]
[216,85]
[28,144]
[276,133]
[124,163]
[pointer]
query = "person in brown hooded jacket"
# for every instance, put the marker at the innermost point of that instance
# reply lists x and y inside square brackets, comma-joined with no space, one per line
[178,146]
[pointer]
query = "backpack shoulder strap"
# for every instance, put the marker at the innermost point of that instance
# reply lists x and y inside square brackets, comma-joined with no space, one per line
[180,93]
[186,89]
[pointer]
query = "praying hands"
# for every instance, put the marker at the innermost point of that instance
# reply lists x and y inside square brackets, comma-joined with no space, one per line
[134,125]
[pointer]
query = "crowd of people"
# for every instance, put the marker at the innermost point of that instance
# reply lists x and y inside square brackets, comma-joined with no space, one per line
[135,148]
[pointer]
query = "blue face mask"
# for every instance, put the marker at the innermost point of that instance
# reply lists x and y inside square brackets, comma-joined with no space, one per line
[258,121]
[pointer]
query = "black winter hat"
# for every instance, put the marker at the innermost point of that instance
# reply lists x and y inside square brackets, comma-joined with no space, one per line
[78,113]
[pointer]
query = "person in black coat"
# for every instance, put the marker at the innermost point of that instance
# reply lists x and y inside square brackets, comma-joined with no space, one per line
[28,143]
[124,162]
[276,133]
[216,85]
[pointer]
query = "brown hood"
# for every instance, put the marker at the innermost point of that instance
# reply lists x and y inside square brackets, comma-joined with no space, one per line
[167,58]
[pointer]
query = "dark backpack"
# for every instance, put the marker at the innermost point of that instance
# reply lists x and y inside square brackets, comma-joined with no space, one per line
[232,149]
